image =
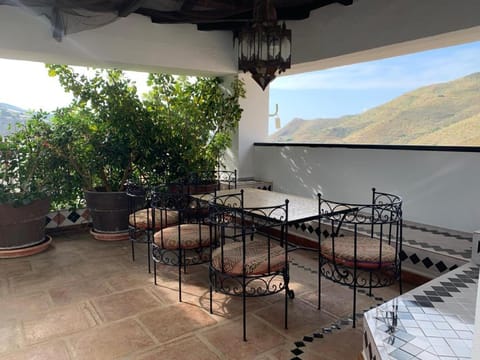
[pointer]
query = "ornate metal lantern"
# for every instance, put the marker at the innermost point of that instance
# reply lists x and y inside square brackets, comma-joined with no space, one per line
[264,47]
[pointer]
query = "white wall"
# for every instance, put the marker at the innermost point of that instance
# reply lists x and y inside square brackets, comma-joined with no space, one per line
[337,30]
[438,188]
[131,43]
[253,126]
[333,35]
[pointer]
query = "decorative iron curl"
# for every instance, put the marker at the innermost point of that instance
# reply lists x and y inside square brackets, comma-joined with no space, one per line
[254,285]
[345,276]
[172,257]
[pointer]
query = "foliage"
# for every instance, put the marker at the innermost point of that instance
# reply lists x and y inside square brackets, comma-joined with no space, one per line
[197,117]
[100,135]
[108,135]
[23,160]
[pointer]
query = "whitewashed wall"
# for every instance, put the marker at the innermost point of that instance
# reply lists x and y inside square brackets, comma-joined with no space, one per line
[439,188]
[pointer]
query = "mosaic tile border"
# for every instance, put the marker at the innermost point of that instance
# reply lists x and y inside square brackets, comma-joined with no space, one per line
[65,218]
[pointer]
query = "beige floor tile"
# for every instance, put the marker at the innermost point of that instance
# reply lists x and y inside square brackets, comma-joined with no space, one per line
[88,296]
[129,280]
[123,304]
[48,351]
[40,280]
[78,291]
[341,344]
[3,287]
[338,300]
[175,321]
[190,348]
[24,306]
[228,338]
[303,318]
[111,341]
[14,267]
[10,336]
[55,323]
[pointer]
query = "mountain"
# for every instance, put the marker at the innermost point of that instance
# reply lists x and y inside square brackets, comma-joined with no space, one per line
[440,114]
[9,116]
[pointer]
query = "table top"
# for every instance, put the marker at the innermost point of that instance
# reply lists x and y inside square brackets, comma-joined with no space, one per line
[299,208]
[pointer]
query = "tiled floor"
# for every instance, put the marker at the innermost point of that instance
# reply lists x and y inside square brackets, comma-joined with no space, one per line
[86,299]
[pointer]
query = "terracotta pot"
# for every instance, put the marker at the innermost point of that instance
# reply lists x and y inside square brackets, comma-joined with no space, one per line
[108,210]
[24,226]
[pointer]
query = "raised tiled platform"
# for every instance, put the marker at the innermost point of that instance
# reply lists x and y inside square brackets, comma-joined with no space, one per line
[432,322]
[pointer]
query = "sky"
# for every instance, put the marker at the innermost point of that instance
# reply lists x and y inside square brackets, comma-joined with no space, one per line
[27,85]
[328,93]
[355,88]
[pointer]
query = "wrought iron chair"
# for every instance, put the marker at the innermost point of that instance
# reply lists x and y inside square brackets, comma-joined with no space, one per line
[249,261]
[184,241]
[218,179]
[362,243]
[141,225]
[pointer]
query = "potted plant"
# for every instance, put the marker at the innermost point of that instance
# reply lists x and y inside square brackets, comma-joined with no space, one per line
[108,135]
[198,117]
[101,138]
[25,189]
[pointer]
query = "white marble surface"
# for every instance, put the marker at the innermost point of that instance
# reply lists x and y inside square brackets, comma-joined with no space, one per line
[432,322]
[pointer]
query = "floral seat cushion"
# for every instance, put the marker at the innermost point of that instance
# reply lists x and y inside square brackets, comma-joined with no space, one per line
[192,236]
[140,219]
[368,252]
[256,259]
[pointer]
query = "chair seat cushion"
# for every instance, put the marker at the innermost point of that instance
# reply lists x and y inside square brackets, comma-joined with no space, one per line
[256,258]
[192,236]
[368,252]
[140,220]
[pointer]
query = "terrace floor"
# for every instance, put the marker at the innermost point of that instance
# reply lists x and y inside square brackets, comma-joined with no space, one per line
[86,299]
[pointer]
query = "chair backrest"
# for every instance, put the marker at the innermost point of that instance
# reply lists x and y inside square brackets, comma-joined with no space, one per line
[261,218]
[235,221]
[210,180]
[384,212]
[176,198]
[137,197]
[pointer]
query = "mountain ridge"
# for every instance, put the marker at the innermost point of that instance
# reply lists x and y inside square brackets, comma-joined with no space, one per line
[429,115]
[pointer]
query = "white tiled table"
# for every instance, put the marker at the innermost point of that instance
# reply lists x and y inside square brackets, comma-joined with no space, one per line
[433,322]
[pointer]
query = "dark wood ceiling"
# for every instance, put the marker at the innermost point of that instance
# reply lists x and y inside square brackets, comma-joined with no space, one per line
[219,15]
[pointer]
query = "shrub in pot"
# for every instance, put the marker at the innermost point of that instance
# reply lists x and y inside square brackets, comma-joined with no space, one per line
[101,138]
[198,117]
[26,187]
[108,135]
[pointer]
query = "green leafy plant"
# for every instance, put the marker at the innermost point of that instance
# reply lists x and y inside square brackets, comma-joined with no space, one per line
[101,135]
[197,116]
[24,158]
[108,135]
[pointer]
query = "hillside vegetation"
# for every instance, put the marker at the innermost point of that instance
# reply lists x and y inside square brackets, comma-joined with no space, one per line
[9,116]
[441,114]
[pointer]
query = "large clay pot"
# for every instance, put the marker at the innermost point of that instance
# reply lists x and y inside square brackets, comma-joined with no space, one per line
[22,229]
[109,213]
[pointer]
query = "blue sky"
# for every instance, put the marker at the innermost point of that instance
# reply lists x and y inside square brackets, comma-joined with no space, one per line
[328,93]
[355,88]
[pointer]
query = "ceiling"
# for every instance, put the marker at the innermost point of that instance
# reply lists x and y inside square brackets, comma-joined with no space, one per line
[222,15]
[71,16]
